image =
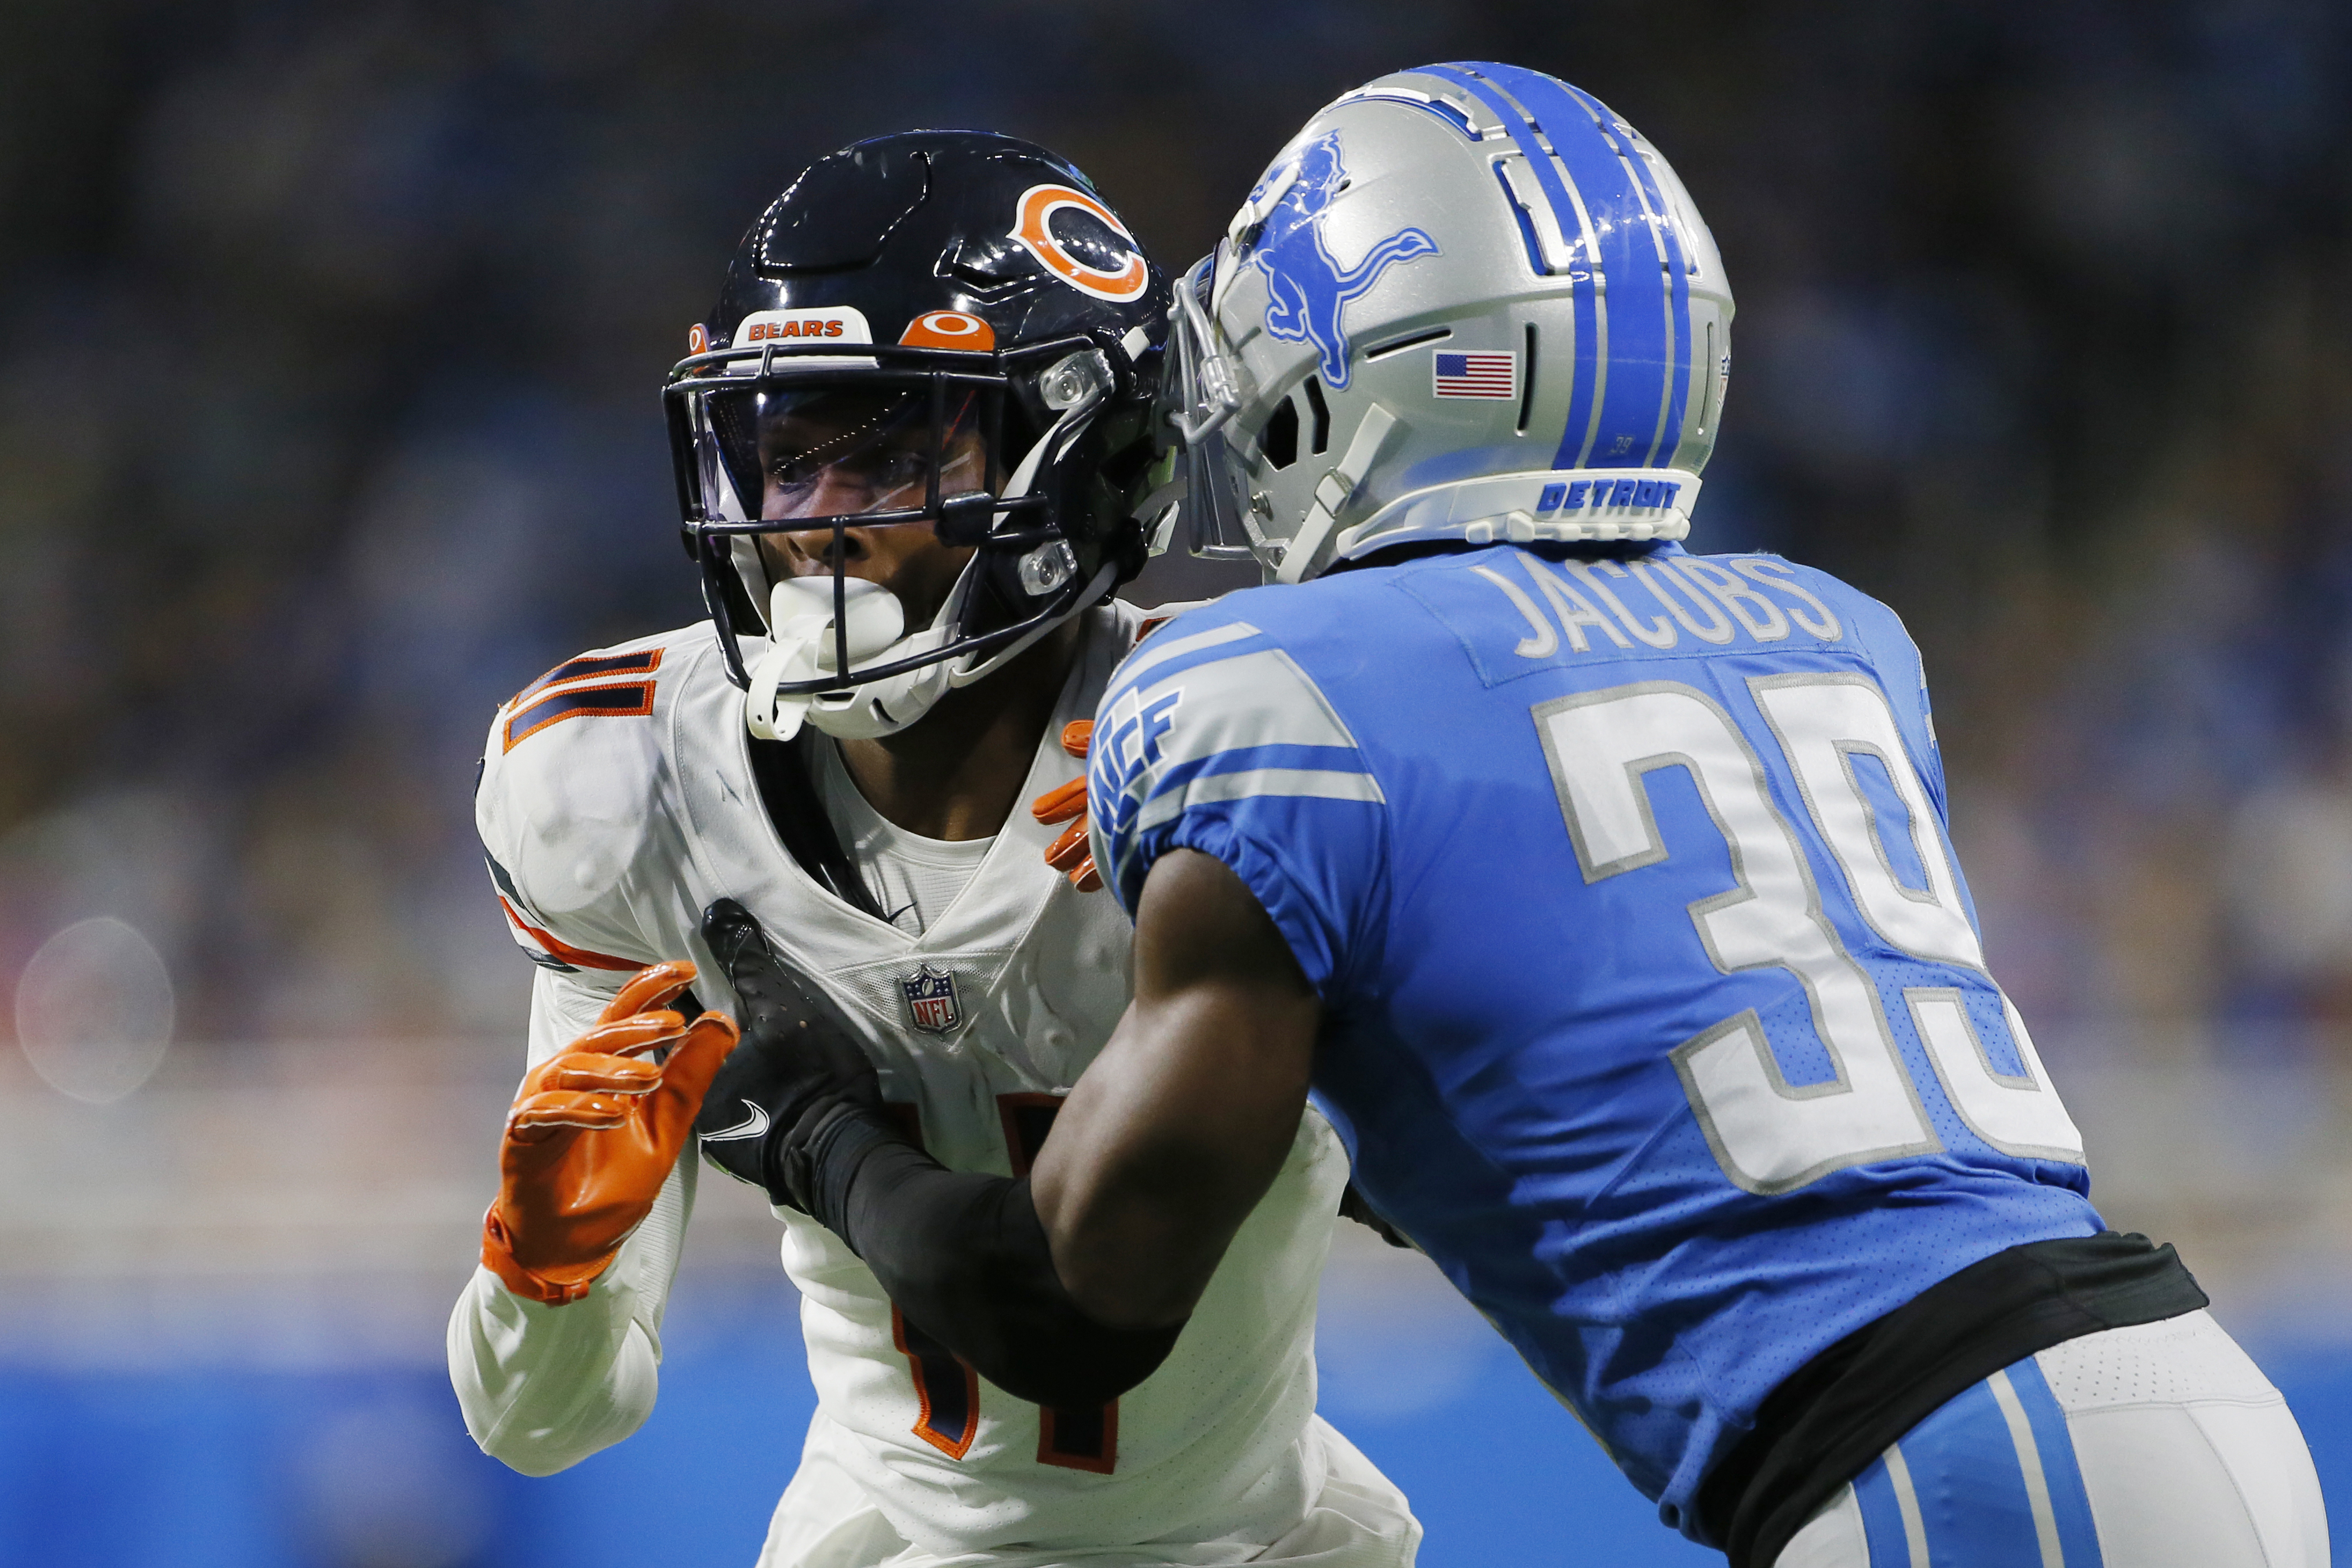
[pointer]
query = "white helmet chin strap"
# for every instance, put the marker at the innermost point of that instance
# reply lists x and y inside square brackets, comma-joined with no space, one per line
[802,649]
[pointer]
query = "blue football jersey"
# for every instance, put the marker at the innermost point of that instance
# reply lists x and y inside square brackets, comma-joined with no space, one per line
[1656,1010]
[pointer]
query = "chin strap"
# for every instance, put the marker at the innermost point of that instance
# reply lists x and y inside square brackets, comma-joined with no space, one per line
[1096,592]
[802,648]
[1335,489]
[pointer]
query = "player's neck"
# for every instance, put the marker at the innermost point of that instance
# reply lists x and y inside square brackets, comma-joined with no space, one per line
[957,774]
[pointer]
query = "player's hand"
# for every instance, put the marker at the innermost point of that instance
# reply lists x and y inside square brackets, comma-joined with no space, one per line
[795,1069]
[1071,854]
[593,1135]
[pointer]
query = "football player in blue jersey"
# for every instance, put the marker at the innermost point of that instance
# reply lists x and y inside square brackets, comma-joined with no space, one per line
[1600,893]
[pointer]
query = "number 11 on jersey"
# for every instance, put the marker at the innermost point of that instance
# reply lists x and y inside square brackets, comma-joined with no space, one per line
[1768,1135]
[947,1390]
[1078,1439]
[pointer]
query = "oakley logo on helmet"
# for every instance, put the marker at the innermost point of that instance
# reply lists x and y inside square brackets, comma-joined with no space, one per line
[1306,288]
[1126,280]
[949,330]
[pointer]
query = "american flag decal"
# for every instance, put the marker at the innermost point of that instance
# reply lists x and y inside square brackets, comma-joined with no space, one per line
[1474,374]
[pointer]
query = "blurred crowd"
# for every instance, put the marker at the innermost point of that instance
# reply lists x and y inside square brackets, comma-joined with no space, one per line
[329,341]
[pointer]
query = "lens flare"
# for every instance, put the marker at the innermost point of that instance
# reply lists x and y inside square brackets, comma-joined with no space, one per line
[94,1010]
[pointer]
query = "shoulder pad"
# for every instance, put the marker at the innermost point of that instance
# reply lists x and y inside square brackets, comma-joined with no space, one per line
[571,790]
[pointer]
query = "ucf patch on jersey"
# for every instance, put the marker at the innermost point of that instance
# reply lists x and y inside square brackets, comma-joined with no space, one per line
[617,800]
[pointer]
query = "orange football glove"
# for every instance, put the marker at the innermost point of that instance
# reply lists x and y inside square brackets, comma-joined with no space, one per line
[593,1135]
[1071,853]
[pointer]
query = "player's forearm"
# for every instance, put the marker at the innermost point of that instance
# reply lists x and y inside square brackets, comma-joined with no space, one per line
[963,1255]
[544,1387]
[1138,1205]
[541,1387]
[1175,1132]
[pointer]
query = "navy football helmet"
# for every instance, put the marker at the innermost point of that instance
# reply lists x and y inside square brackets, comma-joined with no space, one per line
[941,329]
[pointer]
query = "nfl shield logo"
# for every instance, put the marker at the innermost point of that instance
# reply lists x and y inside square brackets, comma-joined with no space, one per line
[931,999]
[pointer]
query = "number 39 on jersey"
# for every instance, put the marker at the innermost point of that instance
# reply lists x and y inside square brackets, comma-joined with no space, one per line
[1866,812]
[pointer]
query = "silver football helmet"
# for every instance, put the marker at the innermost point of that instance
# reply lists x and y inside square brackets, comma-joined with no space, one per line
[1465,302]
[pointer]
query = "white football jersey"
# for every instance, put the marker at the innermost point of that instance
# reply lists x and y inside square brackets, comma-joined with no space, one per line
[618,801]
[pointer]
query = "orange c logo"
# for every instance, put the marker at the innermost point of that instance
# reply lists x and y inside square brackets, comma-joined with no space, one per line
[1033,229]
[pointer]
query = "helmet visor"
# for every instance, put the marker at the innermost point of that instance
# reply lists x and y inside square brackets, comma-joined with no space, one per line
[812,456]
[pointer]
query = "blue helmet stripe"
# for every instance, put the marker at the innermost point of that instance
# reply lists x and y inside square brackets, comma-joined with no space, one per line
[1677,266]
[1591,310]
[1639,298]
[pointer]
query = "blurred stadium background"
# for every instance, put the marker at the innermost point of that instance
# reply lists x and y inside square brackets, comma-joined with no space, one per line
[329,345]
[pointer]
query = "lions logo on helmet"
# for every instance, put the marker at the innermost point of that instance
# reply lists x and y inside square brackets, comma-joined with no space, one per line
[1306,288]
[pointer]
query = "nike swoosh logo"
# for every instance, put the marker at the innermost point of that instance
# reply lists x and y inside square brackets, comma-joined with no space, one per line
[755,1125]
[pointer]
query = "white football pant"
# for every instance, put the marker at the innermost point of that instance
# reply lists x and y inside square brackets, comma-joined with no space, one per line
[1356,1520]
[2156,1447]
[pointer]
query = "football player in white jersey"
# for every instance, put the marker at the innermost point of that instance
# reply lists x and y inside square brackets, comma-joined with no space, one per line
[912,448]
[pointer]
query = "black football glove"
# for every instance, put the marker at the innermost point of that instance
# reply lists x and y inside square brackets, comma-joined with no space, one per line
[795,1073]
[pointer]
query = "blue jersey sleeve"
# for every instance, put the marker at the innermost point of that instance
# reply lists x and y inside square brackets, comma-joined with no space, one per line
[1209,737]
